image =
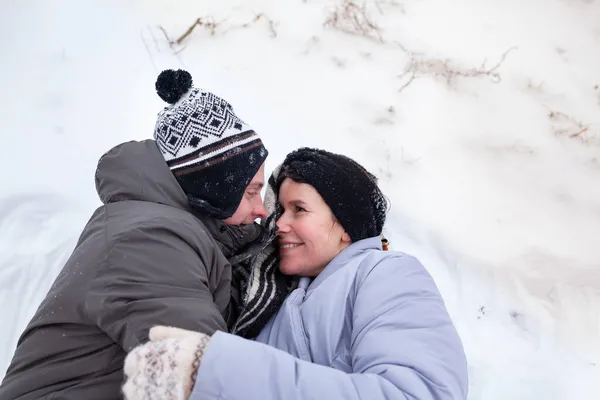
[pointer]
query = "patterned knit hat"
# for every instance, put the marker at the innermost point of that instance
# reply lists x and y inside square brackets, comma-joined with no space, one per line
[347,187]
[213,154]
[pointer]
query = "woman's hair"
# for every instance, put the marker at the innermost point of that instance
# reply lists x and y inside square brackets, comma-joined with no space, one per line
[347,187]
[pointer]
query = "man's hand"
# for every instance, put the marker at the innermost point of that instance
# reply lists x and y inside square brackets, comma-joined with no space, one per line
[165,368]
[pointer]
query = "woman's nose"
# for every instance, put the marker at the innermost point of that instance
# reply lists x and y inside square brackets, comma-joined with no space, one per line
[282,225]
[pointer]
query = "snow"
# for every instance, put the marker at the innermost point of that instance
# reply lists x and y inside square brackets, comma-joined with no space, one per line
[493,178]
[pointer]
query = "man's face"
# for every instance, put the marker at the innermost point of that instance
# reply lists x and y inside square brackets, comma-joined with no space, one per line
[251,207]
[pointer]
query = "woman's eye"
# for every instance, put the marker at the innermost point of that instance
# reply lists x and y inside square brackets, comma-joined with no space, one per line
[252,194]
[299,209]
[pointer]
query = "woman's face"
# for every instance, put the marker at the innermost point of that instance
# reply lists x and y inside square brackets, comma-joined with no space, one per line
[309,237]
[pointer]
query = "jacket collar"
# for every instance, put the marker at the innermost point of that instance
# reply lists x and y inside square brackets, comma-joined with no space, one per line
[233,240]
[347,255]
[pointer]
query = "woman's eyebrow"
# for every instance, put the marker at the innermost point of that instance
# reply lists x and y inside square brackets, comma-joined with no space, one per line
[297,202]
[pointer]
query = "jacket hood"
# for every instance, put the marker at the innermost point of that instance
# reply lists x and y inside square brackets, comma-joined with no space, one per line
[137,171]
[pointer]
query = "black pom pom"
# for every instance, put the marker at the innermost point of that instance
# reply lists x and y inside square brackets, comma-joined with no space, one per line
[171,84]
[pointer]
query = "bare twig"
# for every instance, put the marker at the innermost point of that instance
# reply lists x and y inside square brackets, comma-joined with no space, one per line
[487,71]
[351,17]
[270,21]
[567,125]
[404,49]
[579,132]
[209,24]
[254,20]
[180,50]
[444,68]
[409,81]
[213,28]
[166,35]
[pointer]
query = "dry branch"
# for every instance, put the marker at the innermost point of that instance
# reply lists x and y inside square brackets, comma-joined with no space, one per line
[567,125]
[351,17]
[258,17]
[444,68]
[212,27]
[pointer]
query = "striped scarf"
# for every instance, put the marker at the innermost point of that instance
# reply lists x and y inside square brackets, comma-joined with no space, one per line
[262,286]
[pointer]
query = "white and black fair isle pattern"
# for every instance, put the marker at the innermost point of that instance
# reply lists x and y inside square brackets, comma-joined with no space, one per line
[200,128]
[265,287]
[160,375]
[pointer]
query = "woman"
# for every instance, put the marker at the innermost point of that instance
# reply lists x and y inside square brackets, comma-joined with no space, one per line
[363,323]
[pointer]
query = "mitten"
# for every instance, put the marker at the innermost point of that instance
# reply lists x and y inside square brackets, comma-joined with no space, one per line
[164,368]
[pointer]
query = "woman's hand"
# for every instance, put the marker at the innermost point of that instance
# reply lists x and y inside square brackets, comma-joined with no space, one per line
[164,368]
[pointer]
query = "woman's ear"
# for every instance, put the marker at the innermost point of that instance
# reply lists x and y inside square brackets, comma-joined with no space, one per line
[346,238]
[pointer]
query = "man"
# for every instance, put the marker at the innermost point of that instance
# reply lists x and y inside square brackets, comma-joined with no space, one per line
[178,211]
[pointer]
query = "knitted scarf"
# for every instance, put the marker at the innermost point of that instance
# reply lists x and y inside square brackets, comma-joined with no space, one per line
[263,288]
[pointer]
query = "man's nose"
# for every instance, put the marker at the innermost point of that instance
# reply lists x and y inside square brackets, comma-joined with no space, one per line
[259,210]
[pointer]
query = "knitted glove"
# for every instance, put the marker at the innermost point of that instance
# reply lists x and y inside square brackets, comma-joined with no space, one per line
[164,368]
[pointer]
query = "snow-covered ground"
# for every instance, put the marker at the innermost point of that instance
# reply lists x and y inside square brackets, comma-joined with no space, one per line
[481,117]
